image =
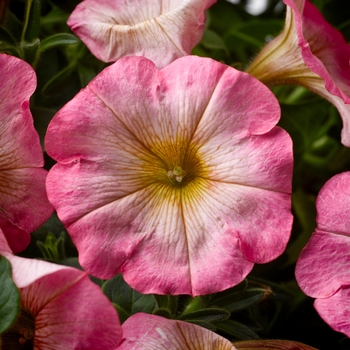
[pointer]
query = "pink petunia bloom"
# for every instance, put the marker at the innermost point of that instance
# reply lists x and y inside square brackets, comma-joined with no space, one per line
[23,201]
[60,308]
[158,30]
[150,332]
[178,178]
[323,267]
[311,53]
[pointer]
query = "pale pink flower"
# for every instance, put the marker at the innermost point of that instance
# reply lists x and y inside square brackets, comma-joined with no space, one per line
[177,178]
[61,308]
[323,267]
[311,53]
[158,30]
[23,202]
[150,332]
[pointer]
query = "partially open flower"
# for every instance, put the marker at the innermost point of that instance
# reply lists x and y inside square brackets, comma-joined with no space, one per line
[158,30]
[323,268]
[177,178]
[23,202]
[150,332]
[60,308]
[311,53]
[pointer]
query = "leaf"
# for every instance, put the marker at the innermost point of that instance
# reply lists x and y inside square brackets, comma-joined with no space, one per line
[211,40]
[60,81]
[127,299]
[249,299]
[57,40]
[9,296]
[206,315]
[237,330]
[32,21]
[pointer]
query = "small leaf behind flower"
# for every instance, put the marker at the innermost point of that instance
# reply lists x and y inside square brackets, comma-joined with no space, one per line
[9,296]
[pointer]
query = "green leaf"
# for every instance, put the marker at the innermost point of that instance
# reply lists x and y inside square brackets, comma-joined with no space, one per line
[203,324]
[127,299]
[60,81]
[52,248]
[248,299]
[237,330]
[57,40]
[163,312]
[9,296]
[206,315]
[193,304]
[211,40]
[32,21]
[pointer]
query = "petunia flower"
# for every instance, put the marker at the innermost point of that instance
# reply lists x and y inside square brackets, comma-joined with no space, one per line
[177,178]
[323,267]
[311,53]
[150,332]
[23,201]
[158,30]
[60,308]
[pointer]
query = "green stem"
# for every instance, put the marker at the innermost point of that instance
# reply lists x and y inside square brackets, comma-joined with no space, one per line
[26,20]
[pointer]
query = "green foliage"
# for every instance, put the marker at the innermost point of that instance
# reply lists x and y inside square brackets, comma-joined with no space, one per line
[9,296]
[126,300]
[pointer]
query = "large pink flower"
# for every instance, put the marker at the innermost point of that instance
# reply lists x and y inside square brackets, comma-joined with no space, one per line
[177,178]
[158,30]
[311,53]
[60,308]
[323,268]
[150,332]
[23,202]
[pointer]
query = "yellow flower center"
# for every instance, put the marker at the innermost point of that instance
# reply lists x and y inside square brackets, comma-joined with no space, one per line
[173,164]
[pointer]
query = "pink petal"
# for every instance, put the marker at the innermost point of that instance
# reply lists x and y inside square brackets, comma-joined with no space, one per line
[311,53]
[333,205]
[113,143]
[143,331]
[27,271]
[24,205]
[4,246]
[323,266]
[71,312]
[160,31]
[335,310]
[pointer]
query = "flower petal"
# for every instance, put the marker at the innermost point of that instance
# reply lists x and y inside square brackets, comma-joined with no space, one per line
[333,205]
[158,30]
[311,53]
[116,143]
[263,161]
[151,332]
[323,266]
[24,205]
[335,310]
[71,312]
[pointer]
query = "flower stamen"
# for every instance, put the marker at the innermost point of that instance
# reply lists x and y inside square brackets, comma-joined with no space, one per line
[177,173]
